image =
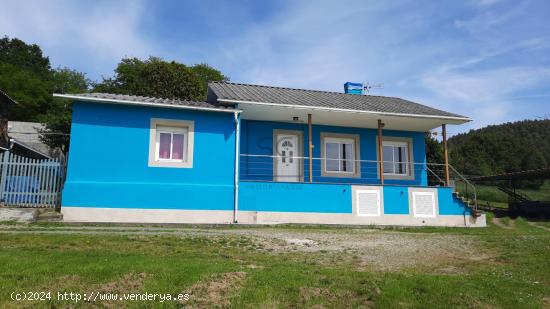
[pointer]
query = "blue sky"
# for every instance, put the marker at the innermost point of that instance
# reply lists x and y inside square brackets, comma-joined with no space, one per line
[487,59]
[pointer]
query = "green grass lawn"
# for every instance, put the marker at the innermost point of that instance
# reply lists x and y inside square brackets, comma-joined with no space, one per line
[238,271]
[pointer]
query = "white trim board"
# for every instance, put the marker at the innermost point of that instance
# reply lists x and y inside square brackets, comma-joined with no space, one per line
[132,215]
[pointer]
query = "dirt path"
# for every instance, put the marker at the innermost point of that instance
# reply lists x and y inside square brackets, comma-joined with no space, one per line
[539,226]
[496,221]
[214,292]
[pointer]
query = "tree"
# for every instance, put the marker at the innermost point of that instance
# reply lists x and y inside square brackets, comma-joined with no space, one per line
[156,77]
[26,57]
[533,160]
[25,75]
[434,155]
[66,80]
[58,118]
[504,148]
[434,149]
[206,74]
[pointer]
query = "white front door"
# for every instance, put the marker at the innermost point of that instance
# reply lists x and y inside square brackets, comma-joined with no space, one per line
[287,158]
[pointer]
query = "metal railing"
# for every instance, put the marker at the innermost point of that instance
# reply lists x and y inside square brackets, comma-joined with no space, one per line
[279,168]
[462,186]
[270,167]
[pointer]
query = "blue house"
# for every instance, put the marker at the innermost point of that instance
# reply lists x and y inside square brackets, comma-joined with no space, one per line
[259,154]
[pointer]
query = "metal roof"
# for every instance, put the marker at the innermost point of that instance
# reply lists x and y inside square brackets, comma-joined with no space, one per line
[246,93]
[147,101]
[27,134]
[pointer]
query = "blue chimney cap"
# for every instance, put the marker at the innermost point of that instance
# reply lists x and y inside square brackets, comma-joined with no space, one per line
[353,88]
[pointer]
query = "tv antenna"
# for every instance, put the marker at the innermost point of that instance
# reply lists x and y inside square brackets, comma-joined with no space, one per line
[368,86]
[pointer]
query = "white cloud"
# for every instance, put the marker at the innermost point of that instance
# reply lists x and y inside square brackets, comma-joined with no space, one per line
[484,86]
[486,2]
[399,44]
[321,45]
[99,33]
[485,21]
[488,96]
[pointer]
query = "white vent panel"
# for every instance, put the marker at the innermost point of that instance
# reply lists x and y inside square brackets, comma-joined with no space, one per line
[424,204]
[368,202]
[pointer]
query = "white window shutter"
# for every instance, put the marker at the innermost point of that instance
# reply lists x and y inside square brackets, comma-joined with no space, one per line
[368,202]
[424,204]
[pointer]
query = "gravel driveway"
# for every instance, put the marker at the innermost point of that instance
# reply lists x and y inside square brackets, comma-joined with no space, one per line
[371,248]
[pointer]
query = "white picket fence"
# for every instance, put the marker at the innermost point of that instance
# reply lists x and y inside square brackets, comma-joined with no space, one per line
[27,182]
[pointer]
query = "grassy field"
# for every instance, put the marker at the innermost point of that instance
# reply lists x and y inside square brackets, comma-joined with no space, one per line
[502,266]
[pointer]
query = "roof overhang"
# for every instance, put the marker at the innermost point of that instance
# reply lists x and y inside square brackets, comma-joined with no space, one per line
[15,141]
[6,98]
[341,117]
[131,102]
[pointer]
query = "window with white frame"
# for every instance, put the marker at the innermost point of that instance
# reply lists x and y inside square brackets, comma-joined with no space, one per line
[396,158]
[339,155]
[171,143]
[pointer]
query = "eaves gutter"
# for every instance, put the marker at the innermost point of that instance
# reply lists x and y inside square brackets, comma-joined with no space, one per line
[319,108]
[130,102]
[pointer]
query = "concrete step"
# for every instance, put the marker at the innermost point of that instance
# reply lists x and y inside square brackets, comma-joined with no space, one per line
[49,215]
[21,215]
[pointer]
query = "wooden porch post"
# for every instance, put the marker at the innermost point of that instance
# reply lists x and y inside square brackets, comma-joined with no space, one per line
[380,151]
[445,153]
[310,145]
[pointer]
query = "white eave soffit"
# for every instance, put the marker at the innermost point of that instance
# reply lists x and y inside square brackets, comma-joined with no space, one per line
[326,116]
[453,120]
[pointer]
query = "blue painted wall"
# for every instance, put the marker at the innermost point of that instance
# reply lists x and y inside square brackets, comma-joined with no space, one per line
[108,160]
[450,205]
[257,139]
[331,198]
[396,200]
[294,197]
[108,166]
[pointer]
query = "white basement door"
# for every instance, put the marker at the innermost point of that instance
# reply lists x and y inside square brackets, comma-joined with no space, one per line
[424,204]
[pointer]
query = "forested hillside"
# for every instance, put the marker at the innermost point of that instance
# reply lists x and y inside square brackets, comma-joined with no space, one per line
[507,147]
